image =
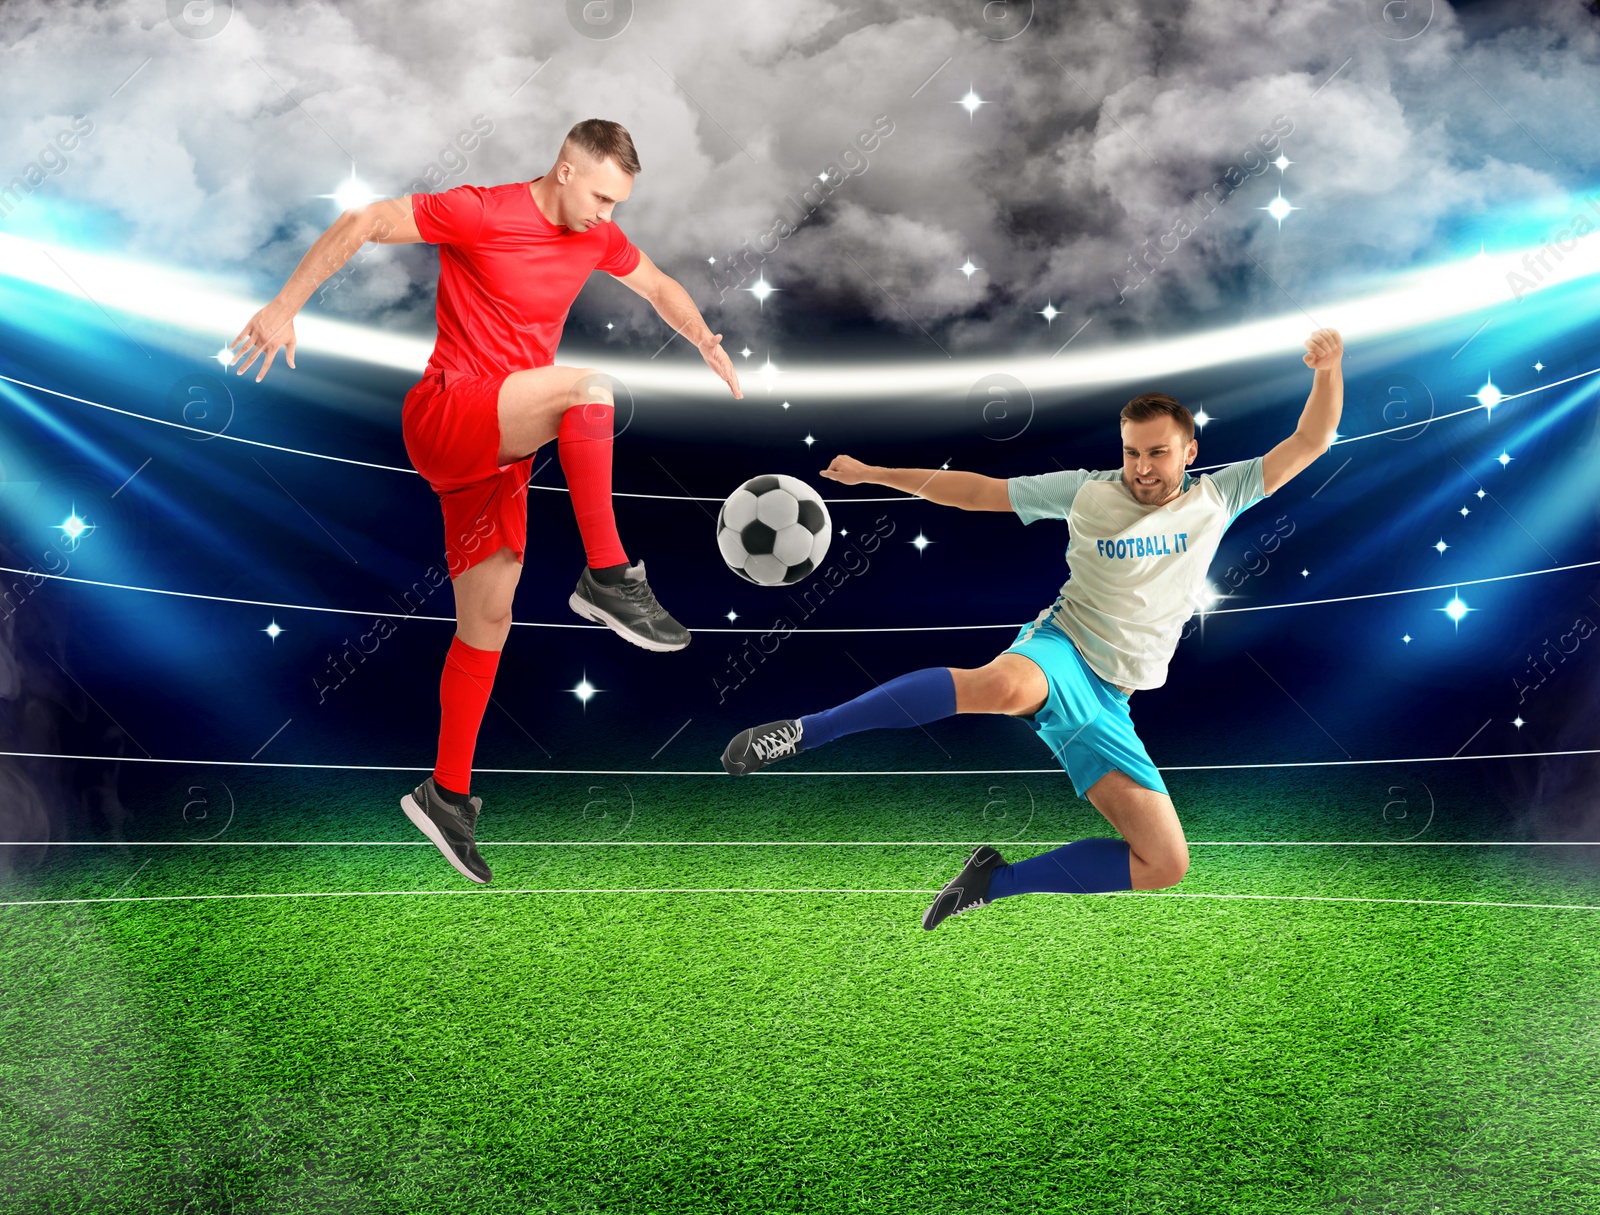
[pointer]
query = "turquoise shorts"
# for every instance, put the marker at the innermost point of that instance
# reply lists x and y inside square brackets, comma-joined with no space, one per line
[1085,720]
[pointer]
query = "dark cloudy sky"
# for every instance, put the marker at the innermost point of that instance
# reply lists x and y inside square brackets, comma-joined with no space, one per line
[1102,120]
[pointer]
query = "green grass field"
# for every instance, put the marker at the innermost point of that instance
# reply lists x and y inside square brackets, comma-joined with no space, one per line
[748,1022]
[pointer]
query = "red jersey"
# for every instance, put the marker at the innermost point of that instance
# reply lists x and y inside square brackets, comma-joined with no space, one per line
[507,275]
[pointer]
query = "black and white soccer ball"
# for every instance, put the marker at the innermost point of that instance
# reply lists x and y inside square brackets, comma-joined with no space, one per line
[773,530]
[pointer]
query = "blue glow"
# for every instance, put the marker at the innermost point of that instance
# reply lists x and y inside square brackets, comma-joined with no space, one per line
[74,529]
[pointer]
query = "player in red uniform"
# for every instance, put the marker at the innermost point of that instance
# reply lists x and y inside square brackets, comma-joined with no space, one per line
[511,260]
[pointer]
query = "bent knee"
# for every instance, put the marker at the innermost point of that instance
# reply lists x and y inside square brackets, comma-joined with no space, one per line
[1020,692]
[589,385]
[992,689]
[484,632]
[1168,870]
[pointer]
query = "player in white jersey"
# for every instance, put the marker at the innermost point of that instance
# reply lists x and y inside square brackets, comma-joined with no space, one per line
[1141,541]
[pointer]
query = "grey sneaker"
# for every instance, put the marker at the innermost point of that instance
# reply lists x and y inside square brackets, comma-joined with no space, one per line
[449,827]
[755,748]
[628,609]
[968,890]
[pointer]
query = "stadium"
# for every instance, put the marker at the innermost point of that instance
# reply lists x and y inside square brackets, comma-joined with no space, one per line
[237,978]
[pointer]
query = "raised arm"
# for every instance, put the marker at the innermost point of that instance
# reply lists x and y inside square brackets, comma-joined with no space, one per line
[966,490]
[1320,418]
[388,221]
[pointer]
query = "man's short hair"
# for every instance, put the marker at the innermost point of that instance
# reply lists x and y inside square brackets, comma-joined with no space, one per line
[605,140]
[1149,405]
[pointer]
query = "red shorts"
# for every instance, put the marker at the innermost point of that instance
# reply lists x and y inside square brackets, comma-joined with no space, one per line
[451,426]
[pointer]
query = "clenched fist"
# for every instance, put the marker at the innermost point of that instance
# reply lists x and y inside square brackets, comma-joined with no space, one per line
[847,470]
[1324,349]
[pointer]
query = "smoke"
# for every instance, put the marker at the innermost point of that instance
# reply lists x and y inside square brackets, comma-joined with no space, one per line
[44,713]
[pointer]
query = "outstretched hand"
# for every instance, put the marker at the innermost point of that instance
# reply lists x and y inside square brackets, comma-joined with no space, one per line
[717,358]
[1324,349]
[268,331]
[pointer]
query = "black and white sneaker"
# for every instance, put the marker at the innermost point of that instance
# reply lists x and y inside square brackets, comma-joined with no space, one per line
[450,827]
[629,609]
[753,749]
[969,889]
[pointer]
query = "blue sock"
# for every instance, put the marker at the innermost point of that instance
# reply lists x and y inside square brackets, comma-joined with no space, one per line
[909,700]
[1084,867]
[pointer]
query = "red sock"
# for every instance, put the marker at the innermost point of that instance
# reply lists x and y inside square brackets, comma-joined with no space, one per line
[463,696]
[583,442]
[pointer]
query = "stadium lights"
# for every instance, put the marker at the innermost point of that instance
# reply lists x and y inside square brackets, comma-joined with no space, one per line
[201,304]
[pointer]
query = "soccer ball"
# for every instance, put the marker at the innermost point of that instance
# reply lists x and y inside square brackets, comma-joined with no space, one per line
[773,530]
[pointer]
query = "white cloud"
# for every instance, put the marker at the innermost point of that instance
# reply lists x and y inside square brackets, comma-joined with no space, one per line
[1104,120]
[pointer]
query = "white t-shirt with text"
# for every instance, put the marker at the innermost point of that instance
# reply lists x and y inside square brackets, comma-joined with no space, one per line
[1136,573]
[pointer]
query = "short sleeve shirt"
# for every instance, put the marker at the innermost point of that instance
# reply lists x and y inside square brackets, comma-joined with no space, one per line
[507,275]
[1136,572]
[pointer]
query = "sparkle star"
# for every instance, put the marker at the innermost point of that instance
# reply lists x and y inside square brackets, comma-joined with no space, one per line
[351,194]
[1283,162]
[1049,312]
[584,690]
[1441,546]
[968,269]
[609,325]
[272,630]
[786,404]
[1201,418]
[761,289]
[1456,610]
[73,529]
[1504,459]
[920,543]
[1406,639]
[1518,722]
[1278,208]
[1465,512]
[1305,573]
[1538,366]
[711,261]
[970,102]
[747,352]
[808,441]
[224,356]
[1480,494]
[732,615]
[1489,396]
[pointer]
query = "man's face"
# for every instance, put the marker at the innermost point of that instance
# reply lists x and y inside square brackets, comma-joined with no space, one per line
[590,189]
[1154,455]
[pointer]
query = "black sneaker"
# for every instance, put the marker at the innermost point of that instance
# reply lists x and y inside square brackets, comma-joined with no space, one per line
[968,889]
[449,827]
[629,609]
[753,749]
